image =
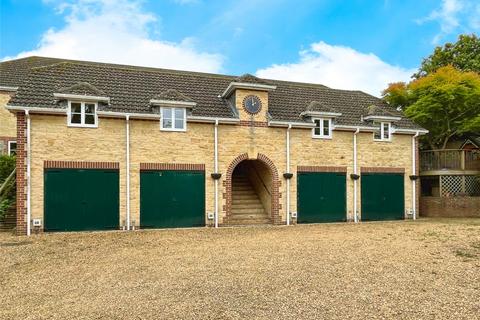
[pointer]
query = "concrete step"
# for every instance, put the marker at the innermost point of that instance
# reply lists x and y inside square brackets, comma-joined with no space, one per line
[246,222]
[245,201]
[252,205]
[247,211]
[245,196]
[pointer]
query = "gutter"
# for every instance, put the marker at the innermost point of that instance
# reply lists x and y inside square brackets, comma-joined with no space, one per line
[9,89]
[286,124]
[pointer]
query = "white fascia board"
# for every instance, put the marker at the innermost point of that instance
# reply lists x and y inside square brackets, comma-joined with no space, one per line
[293,124]
[320,114]
[352,128]
[10,89]
[245,85]
[37,109]
[110,114]
[410,131]
[170,103]
[382,118]
[81,97]
[212,120]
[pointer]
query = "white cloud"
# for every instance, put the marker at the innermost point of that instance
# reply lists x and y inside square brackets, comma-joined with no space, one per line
[339,67]
[118,32]
[454,16]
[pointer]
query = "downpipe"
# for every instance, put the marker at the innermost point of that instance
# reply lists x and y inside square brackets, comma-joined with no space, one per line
[355,209]
[29,212]
[414,172]
[216,171]
[127,147]
[288,171]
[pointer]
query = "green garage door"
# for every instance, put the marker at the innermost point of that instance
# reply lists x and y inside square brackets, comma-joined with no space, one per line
[172,199]
[81,199]
[321,197]
[382,196]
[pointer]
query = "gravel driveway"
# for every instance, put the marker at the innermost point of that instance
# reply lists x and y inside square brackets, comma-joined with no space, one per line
[428,269]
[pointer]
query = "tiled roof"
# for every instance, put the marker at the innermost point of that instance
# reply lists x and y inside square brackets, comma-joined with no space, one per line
[319,107]
[374,110]
[131,88]
[248,78]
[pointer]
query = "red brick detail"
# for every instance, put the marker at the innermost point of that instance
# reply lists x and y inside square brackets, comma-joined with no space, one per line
[321,169]
[21,174]
[381,170]
[50,164]
[248,123]
[172,166]
[227,183]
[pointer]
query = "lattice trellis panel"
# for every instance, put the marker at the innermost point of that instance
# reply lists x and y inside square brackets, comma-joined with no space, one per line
[459,185]
[472,185]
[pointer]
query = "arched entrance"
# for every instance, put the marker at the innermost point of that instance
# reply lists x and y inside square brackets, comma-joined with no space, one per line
[252,191]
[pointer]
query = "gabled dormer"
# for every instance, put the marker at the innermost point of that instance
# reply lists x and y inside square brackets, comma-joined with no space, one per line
[323,117]
[248,96]
[82,101]
[382,120]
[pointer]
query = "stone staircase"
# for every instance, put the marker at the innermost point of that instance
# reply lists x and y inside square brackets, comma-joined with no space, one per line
[247,208]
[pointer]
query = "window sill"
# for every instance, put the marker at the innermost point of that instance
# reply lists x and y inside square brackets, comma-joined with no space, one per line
[91,126]
[173,130]
[323,137]
[382,140]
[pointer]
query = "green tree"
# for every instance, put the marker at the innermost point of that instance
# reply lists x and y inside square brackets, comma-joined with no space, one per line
[464,55]
[7,183]
[446,102]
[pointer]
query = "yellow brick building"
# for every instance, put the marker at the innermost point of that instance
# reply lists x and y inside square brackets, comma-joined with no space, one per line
[119,147]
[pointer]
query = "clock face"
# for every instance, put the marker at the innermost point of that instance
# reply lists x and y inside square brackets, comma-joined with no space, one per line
[252,104]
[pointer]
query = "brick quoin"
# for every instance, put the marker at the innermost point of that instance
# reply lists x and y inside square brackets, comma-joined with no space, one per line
[21,174]
[227,184]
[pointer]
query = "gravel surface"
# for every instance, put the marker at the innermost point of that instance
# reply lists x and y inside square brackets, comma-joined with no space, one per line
[428,269]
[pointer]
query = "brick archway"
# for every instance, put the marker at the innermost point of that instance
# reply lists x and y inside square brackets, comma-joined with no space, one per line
[275,197]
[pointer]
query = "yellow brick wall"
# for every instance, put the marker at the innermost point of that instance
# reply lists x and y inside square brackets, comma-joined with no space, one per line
[53,140]
[397,154]
[150,145]
[308,151]
[8,124]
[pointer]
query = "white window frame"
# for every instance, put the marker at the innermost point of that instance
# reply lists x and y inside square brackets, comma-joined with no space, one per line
[321,135]
[382,131]
[9,148]
[82,124]
[162,128]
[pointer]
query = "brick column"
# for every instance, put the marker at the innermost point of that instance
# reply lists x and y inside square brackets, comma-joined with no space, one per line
[21,174]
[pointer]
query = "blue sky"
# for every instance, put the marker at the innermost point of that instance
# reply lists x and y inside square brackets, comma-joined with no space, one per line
[343,44]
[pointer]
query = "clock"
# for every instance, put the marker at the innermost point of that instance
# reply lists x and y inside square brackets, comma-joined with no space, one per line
[252,104]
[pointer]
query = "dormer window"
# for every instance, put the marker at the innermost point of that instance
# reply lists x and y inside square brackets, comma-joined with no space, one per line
[383,132]
[173,119]
[323,128]
[82,114]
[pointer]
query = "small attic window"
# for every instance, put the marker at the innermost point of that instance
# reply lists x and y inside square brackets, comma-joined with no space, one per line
[82,114]
[323,128]
[383,132]
[173,119]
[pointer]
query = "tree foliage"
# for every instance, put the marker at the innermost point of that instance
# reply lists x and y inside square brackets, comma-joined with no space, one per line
[7,187]
[464,55]
[446,102]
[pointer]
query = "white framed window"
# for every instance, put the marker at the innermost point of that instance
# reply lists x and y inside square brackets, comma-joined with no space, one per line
[12,148]
[82,114]
[383,132]
[323,128]
[173,119]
